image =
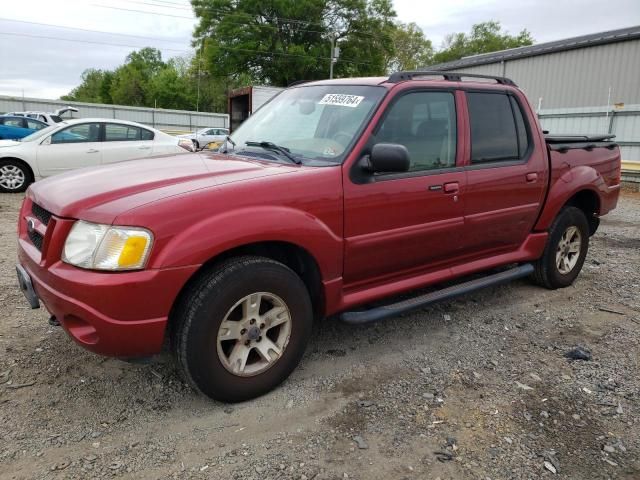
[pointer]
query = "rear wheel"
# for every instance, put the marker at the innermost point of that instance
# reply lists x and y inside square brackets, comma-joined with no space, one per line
[14,176]
[196,145]
[242,328]
[565,251]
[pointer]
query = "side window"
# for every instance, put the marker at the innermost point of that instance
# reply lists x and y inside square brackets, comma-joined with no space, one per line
[122,133]
[425,123]
[523,137]
[85,132]
[146,134]
[494,136]
[14,122]
[35,125]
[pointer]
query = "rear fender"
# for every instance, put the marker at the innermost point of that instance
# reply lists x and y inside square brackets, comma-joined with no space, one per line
[571,182]
[212,236]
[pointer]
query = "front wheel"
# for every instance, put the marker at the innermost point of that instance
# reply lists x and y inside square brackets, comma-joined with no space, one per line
[242,328]
[565,251]
[14,176]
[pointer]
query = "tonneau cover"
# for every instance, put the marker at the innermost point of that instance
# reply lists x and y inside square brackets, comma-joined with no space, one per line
[577,138]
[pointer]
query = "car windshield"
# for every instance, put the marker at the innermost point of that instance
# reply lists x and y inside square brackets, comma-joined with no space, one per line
[41,133]
[314,122]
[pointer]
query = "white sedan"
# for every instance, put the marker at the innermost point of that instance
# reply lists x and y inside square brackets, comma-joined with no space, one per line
[85,142]
[203,137]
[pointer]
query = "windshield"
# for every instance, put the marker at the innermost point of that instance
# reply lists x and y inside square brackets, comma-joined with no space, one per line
[40,133]
[315,122]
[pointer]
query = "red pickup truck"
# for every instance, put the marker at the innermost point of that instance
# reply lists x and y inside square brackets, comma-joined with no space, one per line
[334,196]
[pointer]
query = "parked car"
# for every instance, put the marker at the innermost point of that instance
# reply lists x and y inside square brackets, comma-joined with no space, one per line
[15,128]
[203,137]
[46,117]
[72,144]
[333,196]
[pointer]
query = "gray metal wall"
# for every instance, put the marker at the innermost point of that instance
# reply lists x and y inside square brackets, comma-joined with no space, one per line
[168,120]
[624,123]
[575,78]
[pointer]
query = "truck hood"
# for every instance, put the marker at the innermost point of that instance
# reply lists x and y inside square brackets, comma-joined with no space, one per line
[100,194]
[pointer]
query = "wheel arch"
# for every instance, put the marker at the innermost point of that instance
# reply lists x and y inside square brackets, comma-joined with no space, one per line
[297,258]
[589,202]
[22,162]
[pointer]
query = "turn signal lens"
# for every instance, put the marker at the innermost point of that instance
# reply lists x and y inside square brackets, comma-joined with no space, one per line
[103,247]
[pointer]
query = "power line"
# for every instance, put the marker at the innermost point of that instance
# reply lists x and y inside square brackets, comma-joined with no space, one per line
[94,42]
[144,11]
[258,52]
[232,12]
[89,31]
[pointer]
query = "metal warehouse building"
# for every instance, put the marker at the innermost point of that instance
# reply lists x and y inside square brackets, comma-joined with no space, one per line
[587,84]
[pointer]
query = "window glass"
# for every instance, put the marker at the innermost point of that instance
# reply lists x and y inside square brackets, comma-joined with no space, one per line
[13,122]
[146,134]
[523,140]
[121,133]
[34,125]
[425,123]
[493,128]
[317,122]
[55,118]
[85,132]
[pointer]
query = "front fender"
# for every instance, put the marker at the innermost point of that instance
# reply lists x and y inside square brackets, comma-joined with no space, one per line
[234,228]
[563,188]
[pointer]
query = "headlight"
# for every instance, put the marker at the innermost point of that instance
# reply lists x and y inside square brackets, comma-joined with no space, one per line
[103,247]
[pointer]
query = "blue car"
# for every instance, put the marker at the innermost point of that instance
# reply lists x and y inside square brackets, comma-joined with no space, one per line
[15,128]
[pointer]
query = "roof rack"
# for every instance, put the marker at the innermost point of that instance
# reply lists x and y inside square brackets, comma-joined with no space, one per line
[449,76]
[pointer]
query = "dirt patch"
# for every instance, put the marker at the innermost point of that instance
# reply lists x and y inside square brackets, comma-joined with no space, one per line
[474,388]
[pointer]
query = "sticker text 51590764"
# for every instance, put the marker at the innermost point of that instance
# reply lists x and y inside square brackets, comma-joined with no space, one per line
[341,100]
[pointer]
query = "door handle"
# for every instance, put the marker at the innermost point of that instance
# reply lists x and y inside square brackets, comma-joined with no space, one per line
[531,177]
[451,187]
[92,150]
[144,148]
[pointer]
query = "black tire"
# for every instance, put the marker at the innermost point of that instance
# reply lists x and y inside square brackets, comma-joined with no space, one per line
[17,171]
[205,304]
[547,273]
[196,145]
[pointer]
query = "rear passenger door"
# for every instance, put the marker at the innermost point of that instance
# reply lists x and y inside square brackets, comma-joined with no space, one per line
[125,142]
[506,173]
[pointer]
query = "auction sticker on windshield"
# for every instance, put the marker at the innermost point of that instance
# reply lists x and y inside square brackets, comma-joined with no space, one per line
[341,100]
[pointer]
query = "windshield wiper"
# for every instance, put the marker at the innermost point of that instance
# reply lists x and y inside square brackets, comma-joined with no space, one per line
[272,146]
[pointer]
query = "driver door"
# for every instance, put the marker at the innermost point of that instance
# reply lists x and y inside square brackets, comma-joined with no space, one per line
[73,147]
[402,224]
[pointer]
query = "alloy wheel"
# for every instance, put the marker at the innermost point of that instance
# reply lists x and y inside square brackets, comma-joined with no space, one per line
[254,334]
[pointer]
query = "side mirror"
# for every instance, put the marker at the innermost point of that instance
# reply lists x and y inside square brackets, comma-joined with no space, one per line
[389,158]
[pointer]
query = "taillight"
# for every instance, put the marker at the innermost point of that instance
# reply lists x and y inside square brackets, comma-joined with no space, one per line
[186,144]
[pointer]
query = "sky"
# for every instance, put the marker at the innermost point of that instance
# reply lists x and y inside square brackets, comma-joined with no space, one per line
[35,62]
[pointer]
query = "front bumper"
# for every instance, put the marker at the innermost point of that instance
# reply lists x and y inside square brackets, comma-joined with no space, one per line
[120,314]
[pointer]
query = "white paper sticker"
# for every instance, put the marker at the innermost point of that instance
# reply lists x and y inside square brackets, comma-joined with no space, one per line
[341,100]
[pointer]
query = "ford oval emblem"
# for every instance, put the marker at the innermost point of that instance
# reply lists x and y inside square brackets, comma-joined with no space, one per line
[31,225]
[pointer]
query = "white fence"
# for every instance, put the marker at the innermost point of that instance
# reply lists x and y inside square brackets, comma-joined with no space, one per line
[623,122]
[167,120]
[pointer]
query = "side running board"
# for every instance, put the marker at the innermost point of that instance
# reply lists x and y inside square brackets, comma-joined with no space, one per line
[386,311]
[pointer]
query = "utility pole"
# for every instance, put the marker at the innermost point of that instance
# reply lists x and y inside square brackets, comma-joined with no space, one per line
[333,43]
[335,53]
[198,95]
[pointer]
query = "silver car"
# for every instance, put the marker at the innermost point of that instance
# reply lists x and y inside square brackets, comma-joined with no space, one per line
[203,137]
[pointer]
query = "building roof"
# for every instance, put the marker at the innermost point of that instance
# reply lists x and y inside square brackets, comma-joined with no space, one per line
[601,38]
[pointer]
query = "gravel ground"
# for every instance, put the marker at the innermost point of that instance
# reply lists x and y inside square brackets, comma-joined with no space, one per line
[475,388]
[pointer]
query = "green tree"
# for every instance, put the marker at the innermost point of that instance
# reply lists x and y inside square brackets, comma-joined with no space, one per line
[484,37]
[94,87]
[280,41]
[131,82]
[412,49]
